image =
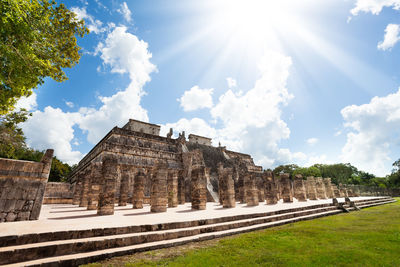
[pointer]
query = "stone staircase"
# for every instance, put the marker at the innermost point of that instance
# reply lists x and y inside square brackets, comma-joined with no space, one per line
[71,248]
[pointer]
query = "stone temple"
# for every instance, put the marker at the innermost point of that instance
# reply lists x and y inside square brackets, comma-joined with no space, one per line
[179,191]
[189,169]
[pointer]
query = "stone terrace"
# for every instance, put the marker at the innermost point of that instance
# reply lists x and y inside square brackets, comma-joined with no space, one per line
[62,217]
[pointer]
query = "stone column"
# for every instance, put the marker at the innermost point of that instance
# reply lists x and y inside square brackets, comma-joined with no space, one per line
[336,192]
[311,189]
[299,189]
[350,191]
[221,181]
[199,188]
[357,191]
[158,197]
[228,188]
[94,190]
[251,190]
[124,186]
[172,188]
[181,187]
[241,187]
[270,188]
[77,192]
[260,182]
[107,192]
[328,188]
[278,188]
[286,188]
[343,191]
[138,189]
[85,188]
[320,188]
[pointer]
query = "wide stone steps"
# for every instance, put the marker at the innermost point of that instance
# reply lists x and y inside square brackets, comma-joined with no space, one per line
[375,204]
[78,234]
[63,247]
[82,250]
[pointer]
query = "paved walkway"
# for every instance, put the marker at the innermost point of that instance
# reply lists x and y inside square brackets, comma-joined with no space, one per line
[62,217]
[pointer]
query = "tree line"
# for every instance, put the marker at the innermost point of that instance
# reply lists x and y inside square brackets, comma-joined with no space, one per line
[344,173]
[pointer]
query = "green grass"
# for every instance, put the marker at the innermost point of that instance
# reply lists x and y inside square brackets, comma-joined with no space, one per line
[370,237]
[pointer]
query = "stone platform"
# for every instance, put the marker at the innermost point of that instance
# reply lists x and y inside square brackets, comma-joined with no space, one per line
[61,217]
[66,235]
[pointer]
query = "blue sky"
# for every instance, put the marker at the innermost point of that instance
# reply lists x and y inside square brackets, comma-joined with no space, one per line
[286,81]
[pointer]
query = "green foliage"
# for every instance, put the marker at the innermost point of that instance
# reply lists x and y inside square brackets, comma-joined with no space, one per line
[340,173]
[12,146]
[306,172]
[344,174]
[37,40]
[59,171]
[11,136]
[394,178]
[289,168]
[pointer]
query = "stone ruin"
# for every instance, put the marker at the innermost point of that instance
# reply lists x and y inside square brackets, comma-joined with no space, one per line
[22,187]
[134,164]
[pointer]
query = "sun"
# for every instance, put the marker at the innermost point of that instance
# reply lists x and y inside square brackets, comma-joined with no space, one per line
[256,20]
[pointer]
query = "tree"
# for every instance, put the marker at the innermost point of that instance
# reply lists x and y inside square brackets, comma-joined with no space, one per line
[340,172]
[394,178]
[289,168]
[13,146]
[306,172]
[11,136]
[37,40]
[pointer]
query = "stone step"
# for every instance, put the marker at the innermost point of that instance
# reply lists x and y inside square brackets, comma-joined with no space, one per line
[372,200]
[83,250]
[372,204]
[14,240]
[82,258]
[64,247]
[376,204]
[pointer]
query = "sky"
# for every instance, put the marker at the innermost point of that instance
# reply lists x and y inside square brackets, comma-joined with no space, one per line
[302,82]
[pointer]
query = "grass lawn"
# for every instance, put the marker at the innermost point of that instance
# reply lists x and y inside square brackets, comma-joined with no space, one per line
[370,237]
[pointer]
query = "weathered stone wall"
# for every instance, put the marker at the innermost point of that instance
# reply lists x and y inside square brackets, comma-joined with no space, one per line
[270,188]
[286,188]
[199,139]
[22,187]
[141,126]
[299,189]
[311,189]
[58,193]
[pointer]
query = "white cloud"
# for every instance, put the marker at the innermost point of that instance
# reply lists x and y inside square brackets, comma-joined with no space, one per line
[116,110]
[52,128]
[124,53]
[29,103]
[391,37]
[124,10]
[374,6]
[312,141]
[69,104]
[322,159]
[196,98]
[375,130]
[251,122]
[94,25]
[231,82]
